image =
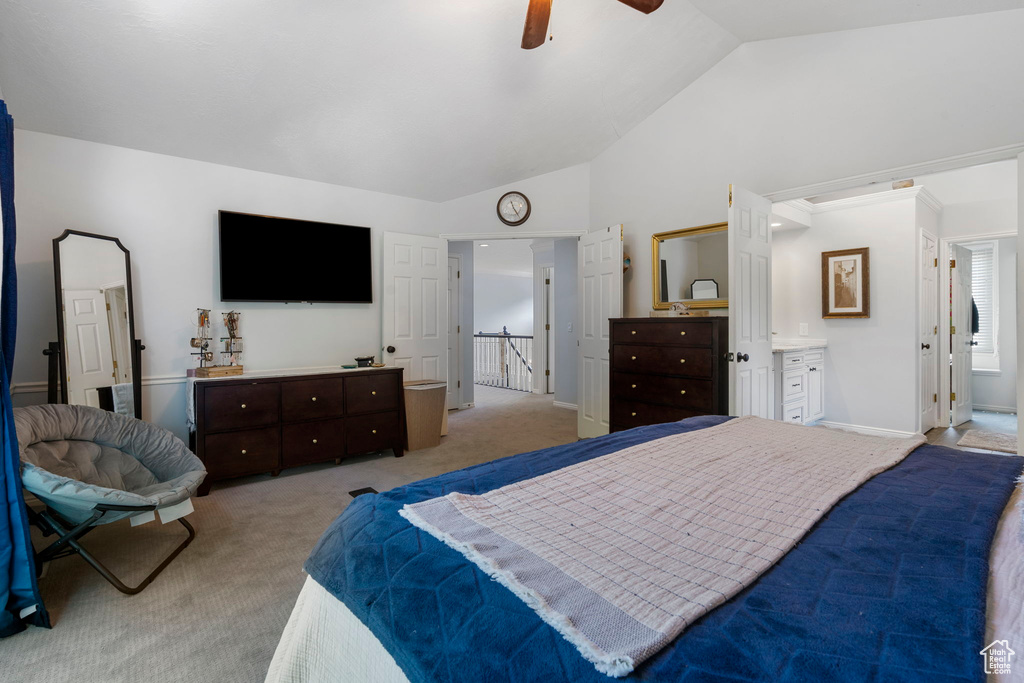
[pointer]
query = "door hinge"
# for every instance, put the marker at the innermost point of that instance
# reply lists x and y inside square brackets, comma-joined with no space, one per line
[935,398]
[730,195]
[547,327]
[547,281]
[936,261]
[458,384]
[458,329]
[547,372]
[115,365]
[952,396]
[458,274]
[936,330]
[952,264]
[952,329]
[108,307]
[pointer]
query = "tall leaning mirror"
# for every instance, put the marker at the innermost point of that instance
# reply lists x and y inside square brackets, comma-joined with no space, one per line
[691,266]
[96,346]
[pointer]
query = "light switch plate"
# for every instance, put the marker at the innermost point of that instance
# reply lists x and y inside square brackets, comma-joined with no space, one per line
[570,328]
[803,329]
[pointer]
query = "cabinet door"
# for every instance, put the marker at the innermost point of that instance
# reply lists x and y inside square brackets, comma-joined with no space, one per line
[815,392]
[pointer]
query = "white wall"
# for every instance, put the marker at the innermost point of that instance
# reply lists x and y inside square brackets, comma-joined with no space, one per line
[871,364]
[164,210]
[565,315]
[503,300]
[978,218]
[786,113]
[558,201]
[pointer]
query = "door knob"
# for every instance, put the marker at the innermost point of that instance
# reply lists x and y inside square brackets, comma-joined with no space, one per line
[390,349]
[974,343]
[926,346]
[742,357]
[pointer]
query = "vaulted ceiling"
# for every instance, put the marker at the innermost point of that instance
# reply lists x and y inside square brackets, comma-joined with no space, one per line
[432,100]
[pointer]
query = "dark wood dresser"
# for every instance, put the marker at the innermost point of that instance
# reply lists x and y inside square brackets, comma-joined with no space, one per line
[255,425]
[667,369]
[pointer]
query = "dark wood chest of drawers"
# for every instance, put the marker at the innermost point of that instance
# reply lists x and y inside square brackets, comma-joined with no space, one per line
[255,425]
[667,369]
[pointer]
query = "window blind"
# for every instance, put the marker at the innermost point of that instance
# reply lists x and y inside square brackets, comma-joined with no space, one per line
[982,279]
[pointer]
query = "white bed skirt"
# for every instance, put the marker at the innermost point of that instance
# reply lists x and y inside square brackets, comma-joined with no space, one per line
[324,641]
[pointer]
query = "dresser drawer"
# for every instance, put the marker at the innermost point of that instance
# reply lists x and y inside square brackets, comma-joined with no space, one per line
[310,399]
[371,394]
[793,413]
[241,405]
[793,385]
[695,394]
[373,432]
[310,442]
[688,333]
[663,360]
[234,454]
[629,414]
[792,360]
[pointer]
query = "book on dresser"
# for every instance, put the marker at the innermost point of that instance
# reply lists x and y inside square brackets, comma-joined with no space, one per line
[252,425]
[667,369]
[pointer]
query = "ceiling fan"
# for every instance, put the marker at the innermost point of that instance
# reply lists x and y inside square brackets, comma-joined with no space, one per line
[536,30]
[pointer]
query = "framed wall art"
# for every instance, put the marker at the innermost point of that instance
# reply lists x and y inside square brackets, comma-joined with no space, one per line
[845,284]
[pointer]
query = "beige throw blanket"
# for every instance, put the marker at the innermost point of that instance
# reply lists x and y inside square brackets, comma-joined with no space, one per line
[622,552]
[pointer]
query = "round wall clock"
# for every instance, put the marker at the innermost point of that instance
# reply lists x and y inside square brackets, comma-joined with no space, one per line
[513,208]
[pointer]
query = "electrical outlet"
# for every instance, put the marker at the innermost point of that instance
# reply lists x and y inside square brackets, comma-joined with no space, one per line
[803,329]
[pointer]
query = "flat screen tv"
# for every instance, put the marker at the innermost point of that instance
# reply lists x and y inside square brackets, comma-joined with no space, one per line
[263,258]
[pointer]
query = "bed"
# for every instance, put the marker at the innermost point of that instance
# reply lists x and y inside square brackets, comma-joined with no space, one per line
[890,584]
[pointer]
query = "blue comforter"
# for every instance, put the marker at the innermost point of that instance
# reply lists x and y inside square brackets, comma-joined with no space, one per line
[890,585]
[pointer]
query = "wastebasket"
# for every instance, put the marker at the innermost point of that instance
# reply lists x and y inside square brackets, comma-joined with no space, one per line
[425,403]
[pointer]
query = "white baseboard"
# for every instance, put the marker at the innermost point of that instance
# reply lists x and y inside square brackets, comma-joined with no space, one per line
[870,431]
[567,406]
[995,409]
[466,405]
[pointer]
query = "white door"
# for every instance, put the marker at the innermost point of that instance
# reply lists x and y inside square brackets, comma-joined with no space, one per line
[599,284]
[751,378]
[929,307]
[961,402]
[454,332]
[90,363]
[414,310]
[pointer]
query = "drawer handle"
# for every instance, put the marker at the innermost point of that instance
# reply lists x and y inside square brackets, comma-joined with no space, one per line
[314,440]
[634,414]
[373,393]
[682,360]
[634,357]
[243,405]
[314,398]
[683,333]
[633,332]
[243,451]
[795,385]
[374,431]
[682,392]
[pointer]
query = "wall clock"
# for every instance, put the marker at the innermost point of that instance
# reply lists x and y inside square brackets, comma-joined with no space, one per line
[513,208]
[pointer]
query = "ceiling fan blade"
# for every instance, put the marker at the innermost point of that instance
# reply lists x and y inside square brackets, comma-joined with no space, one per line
[645,6]
[536,30]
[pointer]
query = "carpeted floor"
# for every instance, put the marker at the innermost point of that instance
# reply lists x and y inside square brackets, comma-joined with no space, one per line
[217,612]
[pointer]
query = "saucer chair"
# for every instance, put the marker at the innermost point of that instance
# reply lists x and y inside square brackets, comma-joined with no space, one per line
[92,467]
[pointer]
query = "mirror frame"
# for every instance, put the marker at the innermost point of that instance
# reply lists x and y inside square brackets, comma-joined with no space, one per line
[656,240]
[61,334]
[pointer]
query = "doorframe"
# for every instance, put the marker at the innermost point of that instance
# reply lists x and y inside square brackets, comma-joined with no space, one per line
[921,233]
[944,311]
[458,335]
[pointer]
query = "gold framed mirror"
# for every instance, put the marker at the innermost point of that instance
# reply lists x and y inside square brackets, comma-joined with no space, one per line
[691,266]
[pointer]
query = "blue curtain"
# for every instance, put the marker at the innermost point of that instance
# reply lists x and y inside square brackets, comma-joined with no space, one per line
[19,593]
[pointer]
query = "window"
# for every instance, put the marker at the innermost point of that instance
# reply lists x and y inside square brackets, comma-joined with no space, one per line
[984,285]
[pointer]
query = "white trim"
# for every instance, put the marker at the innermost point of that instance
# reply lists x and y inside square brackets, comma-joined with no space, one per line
[458,335]
[900,172]
[995,409]
[476,236]
[567,406]
[988,372]
[870,431]
[882,197]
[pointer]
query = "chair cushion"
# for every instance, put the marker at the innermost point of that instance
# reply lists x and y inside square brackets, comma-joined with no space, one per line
[75,457]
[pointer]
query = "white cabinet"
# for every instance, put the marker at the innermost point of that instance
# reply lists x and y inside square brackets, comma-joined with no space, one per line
[800,385]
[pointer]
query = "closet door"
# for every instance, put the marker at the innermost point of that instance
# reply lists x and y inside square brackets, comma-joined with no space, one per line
[751,388]
[960,336]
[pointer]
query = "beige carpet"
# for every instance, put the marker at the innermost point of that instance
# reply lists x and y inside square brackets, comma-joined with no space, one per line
[989,441]
[218,610]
